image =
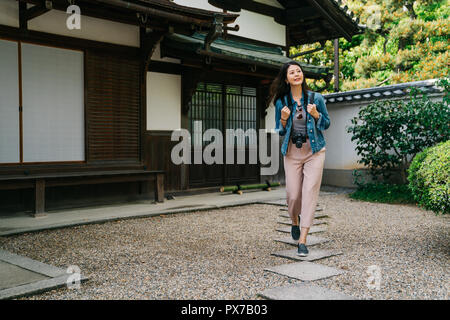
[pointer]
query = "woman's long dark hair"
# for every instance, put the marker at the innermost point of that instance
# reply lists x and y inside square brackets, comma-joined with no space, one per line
[279,87]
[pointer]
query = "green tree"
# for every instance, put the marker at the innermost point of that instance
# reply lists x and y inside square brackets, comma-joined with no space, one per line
[404,41]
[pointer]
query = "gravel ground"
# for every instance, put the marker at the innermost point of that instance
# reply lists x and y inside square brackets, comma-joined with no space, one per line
[221,254]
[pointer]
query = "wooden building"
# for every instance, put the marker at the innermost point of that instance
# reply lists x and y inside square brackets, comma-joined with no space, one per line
[86,114]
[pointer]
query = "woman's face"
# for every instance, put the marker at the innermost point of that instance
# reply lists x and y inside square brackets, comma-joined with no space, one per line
[294,75]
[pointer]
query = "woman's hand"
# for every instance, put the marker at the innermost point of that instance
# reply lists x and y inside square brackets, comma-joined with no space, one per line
[312,110]
[285,113]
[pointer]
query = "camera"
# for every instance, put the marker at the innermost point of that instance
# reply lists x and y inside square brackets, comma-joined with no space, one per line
[298,139]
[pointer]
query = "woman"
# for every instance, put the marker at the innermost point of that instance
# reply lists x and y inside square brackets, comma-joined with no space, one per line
[301,123]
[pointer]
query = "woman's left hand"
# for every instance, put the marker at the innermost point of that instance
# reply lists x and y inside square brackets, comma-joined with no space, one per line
[312,110]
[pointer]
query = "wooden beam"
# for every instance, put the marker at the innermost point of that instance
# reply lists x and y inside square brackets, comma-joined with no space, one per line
[23,15]
[281,3]
[148,43]
[263,9]
[66,42]
[257,7]
[36,11]
[191,78]
[330,19]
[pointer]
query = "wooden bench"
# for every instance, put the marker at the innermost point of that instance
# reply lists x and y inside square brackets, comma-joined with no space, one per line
[40,181]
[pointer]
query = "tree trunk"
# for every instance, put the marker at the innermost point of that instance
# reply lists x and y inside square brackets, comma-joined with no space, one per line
[410,7]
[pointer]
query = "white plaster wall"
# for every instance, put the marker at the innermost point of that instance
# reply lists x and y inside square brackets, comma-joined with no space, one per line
[163,101]
[251,25]
[260,27]
[157,56]
[9,13]
[91,28]
[341,152]
[200,4]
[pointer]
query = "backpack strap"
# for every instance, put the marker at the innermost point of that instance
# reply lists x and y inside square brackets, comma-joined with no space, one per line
[311,97]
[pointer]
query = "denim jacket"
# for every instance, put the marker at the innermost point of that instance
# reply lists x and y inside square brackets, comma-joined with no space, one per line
[314,127]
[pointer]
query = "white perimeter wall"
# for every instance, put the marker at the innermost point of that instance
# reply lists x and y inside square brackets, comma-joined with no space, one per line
[163,101]
[341,151]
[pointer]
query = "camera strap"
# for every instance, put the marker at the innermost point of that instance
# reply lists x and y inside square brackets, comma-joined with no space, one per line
[290,106]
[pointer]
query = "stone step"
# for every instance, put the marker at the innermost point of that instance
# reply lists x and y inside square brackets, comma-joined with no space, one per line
[305,271]
[281,202]
[303,291]
[286,209]
[313,229]
[316,215]
[314,254]
[289,222]
[310,240]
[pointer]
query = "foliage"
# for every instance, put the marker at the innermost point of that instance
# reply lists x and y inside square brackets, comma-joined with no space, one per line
[384,193]
[404,41]
[389,133]
[429,178]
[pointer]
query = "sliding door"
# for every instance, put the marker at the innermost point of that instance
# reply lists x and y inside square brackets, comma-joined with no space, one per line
[9,103]
[48,83]
[53,104]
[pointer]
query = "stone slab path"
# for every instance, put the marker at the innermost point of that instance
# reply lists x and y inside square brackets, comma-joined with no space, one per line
[285,209]
[305,271]
[303,291]
[314,254]
[316,216]
[313,229]
[21,276]
[315,222]
[312,240]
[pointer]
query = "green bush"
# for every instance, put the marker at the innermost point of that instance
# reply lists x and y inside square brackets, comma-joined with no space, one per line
[383,193]
[429,178]
[389,133]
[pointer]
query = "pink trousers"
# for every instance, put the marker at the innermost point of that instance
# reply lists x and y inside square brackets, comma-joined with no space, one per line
[303,171]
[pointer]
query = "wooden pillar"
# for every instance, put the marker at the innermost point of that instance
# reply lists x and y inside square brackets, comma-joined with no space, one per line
[39,208]
[336,65]
[159,187]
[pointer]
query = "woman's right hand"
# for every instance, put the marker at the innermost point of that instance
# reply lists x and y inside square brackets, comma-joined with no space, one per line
[285,113]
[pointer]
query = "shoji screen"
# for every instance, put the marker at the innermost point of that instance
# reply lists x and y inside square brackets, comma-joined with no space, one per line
[53,104]
[9,102]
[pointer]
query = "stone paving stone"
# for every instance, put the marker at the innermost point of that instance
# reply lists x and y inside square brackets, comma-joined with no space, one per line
[12,275]
[285,209]
[314,254]
[316,215]
[288,222]
[21,276]
[303,291]
[305,271]
[281,202]
[310,240]
[313,229]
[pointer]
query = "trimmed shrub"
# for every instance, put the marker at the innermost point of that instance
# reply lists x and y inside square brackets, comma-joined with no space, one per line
[389,133]
[429,178]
